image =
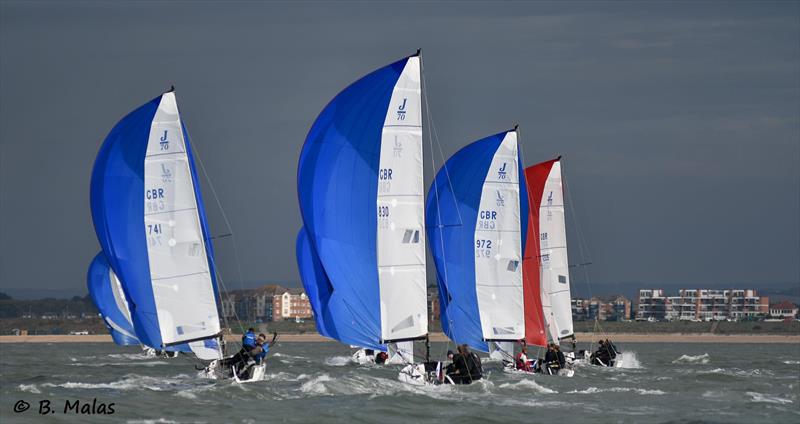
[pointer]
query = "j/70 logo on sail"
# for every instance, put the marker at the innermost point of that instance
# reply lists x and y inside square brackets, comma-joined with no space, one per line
[164,142]
[401,111]
[500,200]
[501,173]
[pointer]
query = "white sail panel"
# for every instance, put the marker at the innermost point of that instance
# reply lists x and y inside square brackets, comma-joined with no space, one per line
[554,260]
[400,209]
[182,285]
[498,248]
[119,295]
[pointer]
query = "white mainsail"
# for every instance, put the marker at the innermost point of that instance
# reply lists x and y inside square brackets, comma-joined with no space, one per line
[179,269]
[400,209]
[498,247]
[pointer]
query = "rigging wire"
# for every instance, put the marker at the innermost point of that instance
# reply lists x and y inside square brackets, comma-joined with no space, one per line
[583,249]
[233,241]
[433,136]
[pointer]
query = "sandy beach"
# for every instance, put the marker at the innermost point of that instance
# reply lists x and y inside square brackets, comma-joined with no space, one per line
[440,337]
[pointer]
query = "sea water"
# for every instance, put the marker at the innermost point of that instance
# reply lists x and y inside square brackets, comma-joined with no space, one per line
[315,382]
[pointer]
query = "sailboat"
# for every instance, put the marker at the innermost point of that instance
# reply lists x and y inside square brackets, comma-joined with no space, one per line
[150,221]
[547,262]
[477,211]
[361,250]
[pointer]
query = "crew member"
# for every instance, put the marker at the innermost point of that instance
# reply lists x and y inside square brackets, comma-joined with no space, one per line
[522,360]
[249,339]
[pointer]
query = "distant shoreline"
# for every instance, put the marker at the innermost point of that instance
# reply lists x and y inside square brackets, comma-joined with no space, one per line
[439,337]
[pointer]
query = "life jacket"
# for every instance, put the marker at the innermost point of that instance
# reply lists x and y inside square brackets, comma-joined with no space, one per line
[263,354]
[249,340]
[522,361]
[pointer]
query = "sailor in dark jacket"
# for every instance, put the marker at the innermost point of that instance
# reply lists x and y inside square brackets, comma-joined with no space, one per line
[466,366]
[551,363]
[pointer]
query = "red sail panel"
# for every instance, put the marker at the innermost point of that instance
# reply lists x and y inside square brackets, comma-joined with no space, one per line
[535,333]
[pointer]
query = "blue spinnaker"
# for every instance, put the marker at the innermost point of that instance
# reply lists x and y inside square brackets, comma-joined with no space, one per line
[337,183]
[451,214]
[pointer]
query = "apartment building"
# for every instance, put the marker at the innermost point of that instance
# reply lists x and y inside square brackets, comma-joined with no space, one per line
[701,305]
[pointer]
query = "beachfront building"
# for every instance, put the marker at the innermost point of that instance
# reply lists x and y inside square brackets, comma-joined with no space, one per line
[614,308]
[291,304]
[651,305]
[267,303]
[785,310]
[701,305]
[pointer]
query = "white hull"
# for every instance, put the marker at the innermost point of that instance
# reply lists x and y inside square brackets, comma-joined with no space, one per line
[214,372]
[565,372]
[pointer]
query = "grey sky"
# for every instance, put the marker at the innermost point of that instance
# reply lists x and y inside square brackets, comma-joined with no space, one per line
[679,122]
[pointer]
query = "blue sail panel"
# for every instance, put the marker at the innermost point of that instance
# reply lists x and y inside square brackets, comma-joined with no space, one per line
[316,283]
[117,204]
[337,183]
[451,213]
[101,291]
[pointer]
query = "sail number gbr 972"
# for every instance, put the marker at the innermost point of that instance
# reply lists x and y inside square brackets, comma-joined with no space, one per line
[483,248]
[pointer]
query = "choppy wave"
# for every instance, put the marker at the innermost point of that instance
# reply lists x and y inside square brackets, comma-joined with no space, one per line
[762,398]
[30,388]
[593,390]
[527,384]
[131,382]
[338,361]
[628,360]
[688,359]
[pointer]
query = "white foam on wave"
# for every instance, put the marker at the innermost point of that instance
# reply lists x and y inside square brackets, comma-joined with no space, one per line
[697,359]
[315,385]
[130,356]
[120,364]
[762,398]
[593,390]
[628,360]
[527,383]
[791,362]
[735,372]
[30,388]
[284,355]
[158,421]
[338,361]
[129,382]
